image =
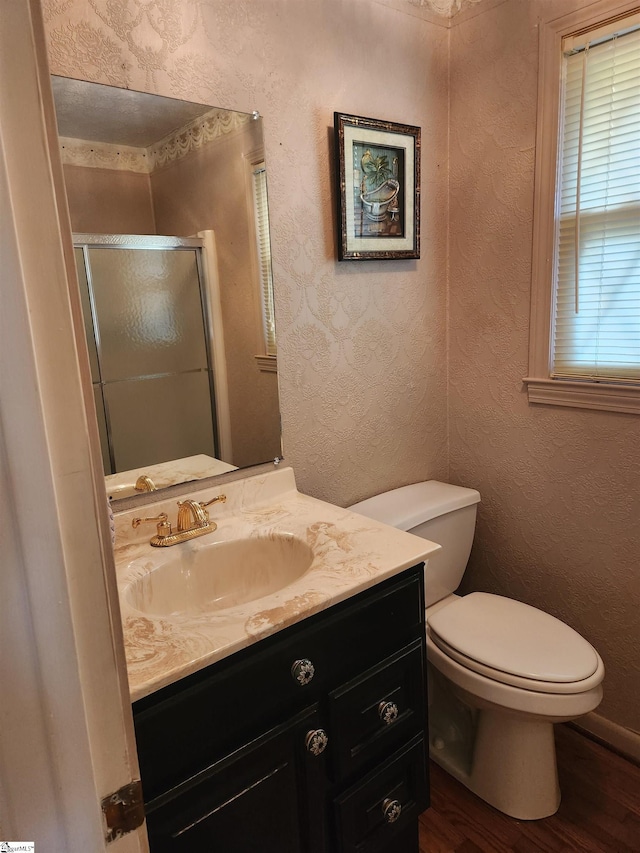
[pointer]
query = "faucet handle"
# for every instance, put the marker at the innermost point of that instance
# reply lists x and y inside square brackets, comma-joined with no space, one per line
[218,499]
[164,527]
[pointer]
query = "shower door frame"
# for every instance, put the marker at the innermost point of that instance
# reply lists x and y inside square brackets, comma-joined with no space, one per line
[87,241]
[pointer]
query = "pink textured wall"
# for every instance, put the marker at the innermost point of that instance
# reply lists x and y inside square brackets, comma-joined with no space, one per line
[559,523]
[361,346]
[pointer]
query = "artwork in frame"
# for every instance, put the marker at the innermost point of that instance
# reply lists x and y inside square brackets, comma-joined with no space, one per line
[378,189]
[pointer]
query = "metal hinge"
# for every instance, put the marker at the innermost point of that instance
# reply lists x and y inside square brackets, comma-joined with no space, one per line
[123,811]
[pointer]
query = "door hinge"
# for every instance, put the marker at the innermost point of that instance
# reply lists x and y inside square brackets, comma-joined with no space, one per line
[123,811]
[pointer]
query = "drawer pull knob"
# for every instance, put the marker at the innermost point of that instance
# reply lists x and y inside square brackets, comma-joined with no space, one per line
[388,712]
[316,741]
[303,671]
[391,810]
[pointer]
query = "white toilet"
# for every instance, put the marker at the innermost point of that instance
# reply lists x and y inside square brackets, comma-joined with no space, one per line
[501,673]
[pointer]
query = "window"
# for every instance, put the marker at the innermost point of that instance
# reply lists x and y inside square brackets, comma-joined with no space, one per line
[585,336]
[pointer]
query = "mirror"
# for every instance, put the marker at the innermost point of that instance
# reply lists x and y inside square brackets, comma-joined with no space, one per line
[168,206]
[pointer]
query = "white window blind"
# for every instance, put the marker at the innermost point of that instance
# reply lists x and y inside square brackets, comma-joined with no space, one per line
[264,256]
[596,329]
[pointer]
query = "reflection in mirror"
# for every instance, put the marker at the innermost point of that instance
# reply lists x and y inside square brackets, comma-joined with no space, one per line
[168,207]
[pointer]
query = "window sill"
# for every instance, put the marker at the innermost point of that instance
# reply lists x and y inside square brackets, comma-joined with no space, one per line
[267,363]
[605,396]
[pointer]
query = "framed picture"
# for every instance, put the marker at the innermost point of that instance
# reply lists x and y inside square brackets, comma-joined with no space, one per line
[378,189]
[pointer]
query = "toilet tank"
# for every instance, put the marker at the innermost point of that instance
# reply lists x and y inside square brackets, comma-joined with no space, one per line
[437,511]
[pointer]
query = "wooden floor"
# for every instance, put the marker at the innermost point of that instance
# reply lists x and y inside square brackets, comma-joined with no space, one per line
[599,812]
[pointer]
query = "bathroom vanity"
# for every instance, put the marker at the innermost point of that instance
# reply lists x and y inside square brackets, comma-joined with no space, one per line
[294,723]
[312,740]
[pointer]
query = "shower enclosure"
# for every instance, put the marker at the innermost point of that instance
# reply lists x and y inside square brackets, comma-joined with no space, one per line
[146,322]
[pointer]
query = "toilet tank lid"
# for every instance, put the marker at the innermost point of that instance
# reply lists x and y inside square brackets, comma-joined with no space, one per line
[409,506]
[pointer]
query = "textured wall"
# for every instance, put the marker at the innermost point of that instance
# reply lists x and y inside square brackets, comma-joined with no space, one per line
[361,345]
[559,524]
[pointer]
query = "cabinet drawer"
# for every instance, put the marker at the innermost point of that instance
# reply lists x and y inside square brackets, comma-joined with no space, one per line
[187,726]
[372,815]
[375,713]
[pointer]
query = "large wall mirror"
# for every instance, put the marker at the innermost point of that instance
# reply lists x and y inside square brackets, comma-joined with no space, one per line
[168,207]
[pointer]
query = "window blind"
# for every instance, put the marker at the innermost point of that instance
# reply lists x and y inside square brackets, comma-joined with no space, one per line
[264,256]
[596,329]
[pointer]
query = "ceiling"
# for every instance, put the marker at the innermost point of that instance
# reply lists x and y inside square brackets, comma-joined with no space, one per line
[118,116]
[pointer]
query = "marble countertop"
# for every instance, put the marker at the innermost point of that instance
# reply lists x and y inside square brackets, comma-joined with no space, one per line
[351,554]
[165,474]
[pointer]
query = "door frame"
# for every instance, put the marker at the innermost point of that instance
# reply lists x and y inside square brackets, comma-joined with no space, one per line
[66,731]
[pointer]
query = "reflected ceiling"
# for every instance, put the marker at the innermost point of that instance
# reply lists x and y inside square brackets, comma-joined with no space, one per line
[122,117]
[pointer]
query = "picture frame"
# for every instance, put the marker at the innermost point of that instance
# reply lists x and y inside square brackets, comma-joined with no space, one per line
[378,193]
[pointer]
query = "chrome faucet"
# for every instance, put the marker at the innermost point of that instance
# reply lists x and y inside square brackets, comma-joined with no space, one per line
[193,521]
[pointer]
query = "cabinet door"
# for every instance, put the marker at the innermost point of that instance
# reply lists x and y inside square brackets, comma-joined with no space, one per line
[257,798]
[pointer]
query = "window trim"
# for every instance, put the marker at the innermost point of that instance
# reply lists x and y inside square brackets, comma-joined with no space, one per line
[583,394]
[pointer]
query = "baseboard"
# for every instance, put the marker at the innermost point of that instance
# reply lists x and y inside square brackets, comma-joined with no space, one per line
[620,739]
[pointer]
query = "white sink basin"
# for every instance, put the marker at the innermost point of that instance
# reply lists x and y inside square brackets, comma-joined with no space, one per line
[218,576]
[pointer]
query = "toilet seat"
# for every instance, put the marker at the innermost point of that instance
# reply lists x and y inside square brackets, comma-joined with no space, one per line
[512,643]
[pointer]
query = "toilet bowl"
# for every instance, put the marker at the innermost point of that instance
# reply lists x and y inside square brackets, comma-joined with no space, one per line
[501,673]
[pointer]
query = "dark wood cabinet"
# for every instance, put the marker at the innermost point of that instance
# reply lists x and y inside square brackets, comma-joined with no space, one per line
[310,741]
[260,790]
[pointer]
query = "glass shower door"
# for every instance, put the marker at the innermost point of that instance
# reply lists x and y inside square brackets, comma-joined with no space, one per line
[150,356]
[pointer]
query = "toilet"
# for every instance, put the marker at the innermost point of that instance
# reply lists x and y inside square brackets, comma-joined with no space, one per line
[500,673]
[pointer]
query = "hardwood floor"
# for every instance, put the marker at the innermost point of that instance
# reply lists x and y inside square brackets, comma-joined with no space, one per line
[599,812]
